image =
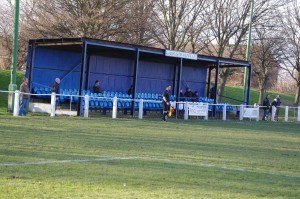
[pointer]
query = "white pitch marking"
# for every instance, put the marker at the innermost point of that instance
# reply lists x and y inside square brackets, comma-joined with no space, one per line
[67,161]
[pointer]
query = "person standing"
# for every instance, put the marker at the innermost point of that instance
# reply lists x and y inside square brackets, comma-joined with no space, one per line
[24,89]
[278,103]
[274,103]
[56,89]
[166,102]
[266,107]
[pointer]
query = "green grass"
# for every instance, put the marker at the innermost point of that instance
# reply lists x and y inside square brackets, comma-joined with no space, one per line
[238,93]
[177,159]
[4,82]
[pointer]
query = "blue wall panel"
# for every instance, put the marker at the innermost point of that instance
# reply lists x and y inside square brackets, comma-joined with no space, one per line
[50,63]
[153,77]
[195,79]
[114,74]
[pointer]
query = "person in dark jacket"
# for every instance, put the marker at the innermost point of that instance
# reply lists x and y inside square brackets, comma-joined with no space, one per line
[188,93]
[97,88]
[130,90]
[195,97]
[278,103]
[266,107]
[166,98]
[24,89]
[56,89]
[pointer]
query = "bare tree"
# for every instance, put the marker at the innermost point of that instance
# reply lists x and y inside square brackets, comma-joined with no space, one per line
[6,33]
[265,50]
[229,25]
[136,27]
[77,18]
[291,50]
[172,21]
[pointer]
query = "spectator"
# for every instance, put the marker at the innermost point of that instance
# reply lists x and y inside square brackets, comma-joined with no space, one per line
[56,89]
[24,89]
[181,96]
[130,90]
[212,92]
[274,103]
[195,97]
[278,103]
[166,96]
[97,88]
[266,107]
[188,93]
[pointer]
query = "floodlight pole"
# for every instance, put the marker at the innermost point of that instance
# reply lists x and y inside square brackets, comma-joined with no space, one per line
[13,86]
[248,50]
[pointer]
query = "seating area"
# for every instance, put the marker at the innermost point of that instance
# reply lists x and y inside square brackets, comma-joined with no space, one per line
[104,100]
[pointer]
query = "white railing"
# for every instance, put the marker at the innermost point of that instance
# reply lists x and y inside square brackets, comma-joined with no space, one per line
[189,109]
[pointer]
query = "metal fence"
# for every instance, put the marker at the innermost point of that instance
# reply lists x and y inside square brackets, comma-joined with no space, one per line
[114,107]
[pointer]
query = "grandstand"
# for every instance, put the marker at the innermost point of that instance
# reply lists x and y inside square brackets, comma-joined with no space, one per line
[78,62]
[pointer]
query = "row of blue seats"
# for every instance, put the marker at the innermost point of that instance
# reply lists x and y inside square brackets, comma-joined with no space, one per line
[106,94]
[122,104]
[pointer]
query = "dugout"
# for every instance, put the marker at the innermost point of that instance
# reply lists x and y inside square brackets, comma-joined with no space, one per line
[78,62]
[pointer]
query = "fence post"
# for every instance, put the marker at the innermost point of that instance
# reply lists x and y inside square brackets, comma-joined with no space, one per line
[17,103]
[115,107]
[206,116]
[241,112]
[53,104]
[257,117]
[273,114]
[286,118]
[141,107]
[298,113]
[186,111]
[224,111]
[86,106]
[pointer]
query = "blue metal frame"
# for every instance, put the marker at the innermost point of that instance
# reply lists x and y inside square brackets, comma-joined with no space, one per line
[31,65]
[83,70]
[136,69]
[179,73]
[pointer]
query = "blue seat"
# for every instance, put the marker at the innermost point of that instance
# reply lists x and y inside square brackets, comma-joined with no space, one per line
[127,104]
[92,103]
[120,105]
[136,104]
[105,105]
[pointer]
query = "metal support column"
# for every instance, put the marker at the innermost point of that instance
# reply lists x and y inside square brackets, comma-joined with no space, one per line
[216,87]
[249,84]
[13,86]
[82,77]
[179,79]
[208,82]
[248,50]
[135,81]
[31,64]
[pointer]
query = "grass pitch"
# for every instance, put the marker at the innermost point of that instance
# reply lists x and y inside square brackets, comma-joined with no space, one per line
[43,157]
